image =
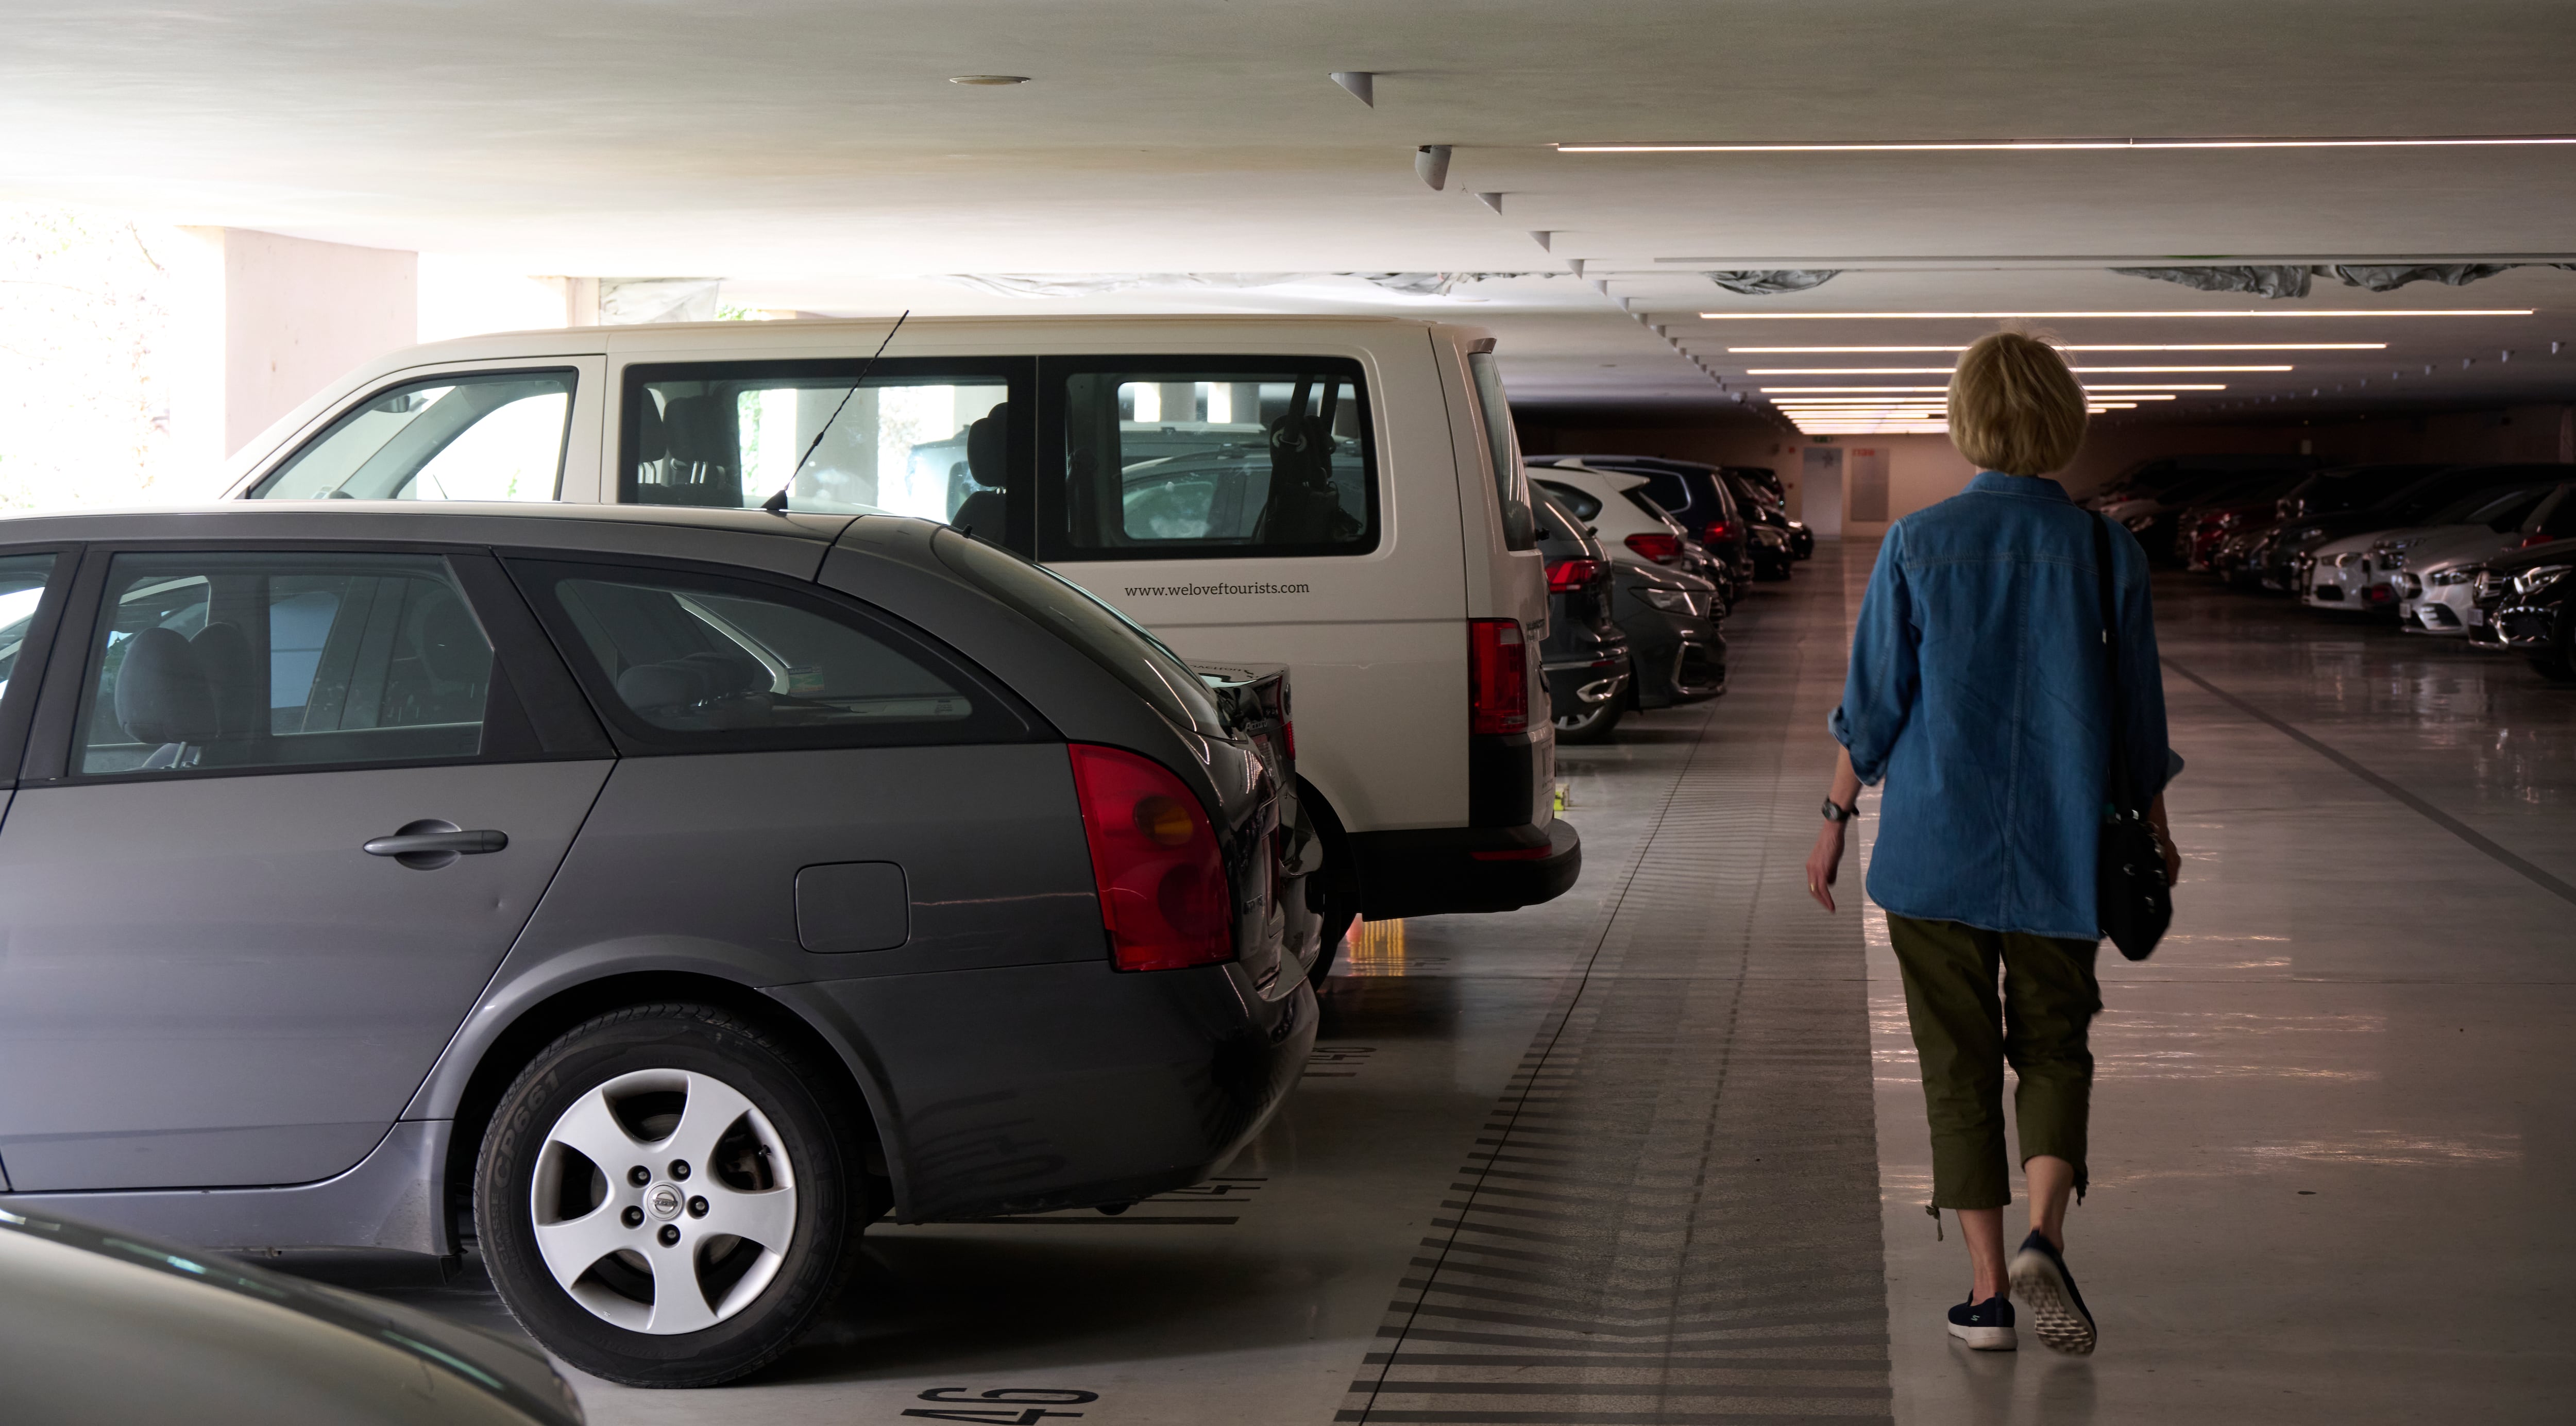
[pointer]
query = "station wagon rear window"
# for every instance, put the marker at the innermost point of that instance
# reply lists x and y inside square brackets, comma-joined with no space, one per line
[1207,458]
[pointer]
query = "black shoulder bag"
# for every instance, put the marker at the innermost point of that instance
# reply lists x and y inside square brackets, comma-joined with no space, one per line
[2130,896]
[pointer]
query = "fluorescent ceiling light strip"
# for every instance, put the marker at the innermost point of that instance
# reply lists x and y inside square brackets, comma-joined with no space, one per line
[1944,371]
[2439,141]
[2207,312]
[2100,347]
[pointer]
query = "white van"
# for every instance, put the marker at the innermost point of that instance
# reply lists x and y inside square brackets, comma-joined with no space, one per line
[1340,496]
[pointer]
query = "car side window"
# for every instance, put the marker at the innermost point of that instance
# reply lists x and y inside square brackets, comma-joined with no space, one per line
[22,588]
[923,437]
[233,661]
[685,661]
[1209,457]
[2556,523]
[464,436]
[1511,481]
[1579,503]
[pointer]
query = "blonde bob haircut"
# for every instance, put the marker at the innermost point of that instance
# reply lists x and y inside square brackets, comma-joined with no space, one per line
[2014,407]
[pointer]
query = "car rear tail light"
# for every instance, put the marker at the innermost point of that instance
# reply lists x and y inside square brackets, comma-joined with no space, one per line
[2529,540]
[1566,576]
[1154,861]
[1498,674]
[1718,530]
[1662,549]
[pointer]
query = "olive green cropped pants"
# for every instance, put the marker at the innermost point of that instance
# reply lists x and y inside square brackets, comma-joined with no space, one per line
[1965,1032]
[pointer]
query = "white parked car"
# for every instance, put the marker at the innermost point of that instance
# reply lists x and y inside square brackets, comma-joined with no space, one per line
[1634,529]
[2360,572]
[1342,497]
[2434,574]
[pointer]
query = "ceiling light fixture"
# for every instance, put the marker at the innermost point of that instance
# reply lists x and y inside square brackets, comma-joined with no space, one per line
[1944,371]
[2433,141]
[2101,347]
[988,79]
[2210,312]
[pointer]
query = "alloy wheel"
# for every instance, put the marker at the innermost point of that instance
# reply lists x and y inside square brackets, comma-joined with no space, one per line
[663,1201]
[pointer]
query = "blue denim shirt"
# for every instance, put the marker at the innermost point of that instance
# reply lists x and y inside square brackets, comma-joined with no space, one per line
[1978,691]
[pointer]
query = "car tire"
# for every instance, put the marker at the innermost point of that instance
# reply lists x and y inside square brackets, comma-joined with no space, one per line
[2555,665]
[1592,725]
[779,1154]
[1335,891]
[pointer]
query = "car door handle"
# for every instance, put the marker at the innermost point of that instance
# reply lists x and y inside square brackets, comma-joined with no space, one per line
[430,844]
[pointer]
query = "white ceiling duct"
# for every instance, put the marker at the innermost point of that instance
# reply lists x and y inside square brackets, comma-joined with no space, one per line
[1763,282]
[626,301]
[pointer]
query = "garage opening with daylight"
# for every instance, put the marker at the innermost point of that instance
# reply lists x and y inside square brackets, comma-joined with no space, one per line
[1162,712]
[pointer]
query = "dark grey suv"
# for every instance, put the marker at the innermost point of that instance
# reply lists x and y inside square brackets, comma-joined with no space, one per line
[658,896]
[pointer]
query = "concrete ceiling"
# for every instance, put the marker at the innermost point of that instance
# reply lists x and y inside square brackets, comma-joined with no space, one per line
[813,154]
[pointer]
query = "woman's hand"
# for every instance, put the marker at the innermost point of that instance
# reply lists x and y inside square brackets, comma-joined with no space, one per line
[1824,862]
[2164,840]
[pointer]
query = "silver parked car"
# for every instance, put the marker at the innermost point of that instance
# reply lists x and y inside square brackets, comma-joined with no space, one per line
[99,1326]
[654,897]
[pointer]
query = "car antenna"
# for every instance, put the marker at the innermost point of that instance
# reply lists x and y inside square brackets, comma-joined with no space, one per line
[777,503]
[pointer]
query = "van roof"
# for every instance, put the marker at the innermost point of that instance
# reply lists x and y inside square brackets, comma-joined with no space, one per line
[803,331]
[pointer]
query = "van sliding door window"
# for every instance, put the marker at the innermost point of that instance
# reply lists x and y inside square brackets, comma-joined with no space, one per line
[915,437]
[464,436]
[1207,458]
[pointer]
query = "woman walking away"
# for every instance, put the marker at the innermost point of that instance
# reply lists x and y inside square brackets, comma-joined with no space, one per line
[1978,689]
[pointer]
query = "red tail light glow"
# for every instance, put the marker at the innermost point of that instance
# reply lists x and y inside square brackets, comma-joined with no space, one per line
[1154,861]
[1498,675]
[1662,549]
[1566,576]
[1718,530]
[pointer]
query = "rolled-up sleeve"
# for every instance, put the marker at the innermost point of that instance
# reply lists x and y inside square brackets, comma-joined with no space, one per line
[1878,692]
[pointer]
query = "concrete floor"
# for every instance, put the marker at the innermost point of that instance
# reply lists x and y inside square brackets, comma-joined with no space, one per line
[1654,1152]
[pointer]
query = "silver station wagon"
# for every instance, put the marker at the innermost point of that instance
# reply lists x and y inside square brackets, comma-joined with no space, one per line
[656,896]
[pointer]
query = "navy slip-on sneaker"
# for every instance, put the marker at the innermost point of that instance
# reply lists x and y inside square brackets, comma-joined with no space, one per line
[1985,1326]
[2057,1312]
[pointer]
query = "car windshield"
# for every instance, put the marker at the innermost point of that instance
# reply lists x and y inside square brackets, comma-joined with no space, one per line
[2336,490]
[2503,509]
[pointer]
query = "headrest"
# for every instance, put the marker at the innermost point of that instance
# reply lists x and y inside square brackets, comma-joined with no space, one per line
[686,682]
[448,640]
[162,693]
[988,448]
[693,430]
[223,655]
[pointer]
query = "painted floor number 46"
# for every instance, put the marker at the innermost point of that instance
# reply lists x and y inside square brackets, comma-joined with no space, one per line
[956,1405]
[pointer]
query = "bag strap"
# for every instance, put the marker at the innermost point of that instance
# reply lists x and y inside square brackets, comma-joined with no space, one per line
[2123,796]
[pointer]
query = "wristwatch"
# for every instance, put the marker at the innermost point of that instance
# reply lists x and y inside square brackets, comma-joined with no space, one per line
[1837,813]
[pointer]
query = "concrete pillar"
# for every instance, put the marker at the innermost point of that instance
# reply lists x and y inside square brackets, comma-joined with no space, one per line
[264,321]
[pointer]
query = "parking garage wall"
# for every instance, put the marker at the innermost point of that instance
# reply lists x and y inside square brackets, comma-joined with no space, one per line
[1923,470]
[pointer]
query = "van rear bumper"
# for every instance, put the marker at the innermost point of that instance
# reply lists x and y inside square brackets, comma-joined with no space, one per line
[1452,869]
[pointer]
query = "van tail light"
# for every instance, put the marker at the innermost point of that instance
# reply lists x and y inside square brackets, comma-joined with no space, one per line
[1498,673]
[1662,549]
[1567,576]
[1718,531]
[1154,860]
